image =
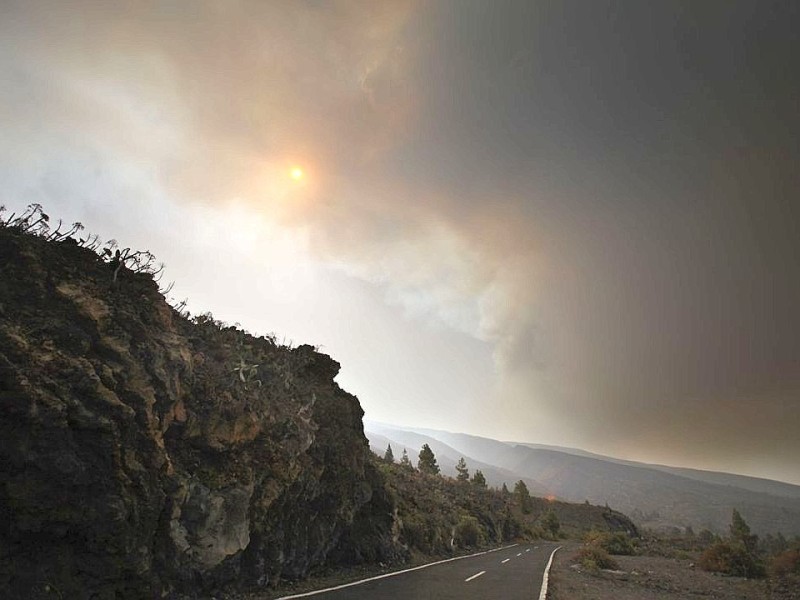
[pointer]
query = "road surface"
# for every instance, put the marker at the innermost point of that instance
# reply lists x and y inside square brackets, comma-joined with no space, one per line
[513,573]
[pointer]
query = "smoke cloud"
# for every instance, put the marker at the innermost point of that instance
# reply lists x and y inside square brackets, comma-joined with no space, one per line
[603,200]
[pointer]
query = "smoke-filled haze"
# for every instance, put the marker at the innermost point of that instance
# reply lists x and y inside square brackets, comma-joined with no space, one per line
[572,223]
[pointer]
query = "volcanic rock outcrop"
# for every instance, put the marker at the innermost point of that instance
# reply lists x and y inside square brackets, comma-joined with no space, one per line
[143,453]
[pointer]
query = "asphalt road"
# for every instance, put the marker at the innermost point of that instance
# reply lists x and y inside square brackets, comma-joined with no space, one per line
[510,574]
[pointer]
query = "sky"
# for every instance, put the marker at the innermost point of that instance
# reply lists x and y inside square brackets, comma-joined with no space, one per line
[572,223]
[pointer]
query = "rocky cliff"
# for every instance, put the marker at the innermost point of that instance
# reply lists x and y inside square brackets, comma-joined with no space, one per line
[144,453]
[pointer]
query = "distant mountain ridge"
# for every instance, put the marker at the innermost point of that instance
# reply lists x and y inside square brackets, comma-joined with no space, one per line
[656,496]
[754,484]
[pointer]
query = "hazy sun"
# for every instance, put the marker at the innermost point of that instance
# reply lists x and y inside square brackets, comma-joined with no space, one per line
[296,173]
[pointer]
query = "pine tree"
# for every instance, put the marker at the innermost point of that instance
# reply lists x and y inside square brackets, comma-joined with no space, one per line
[738,555]
[405,462]
[427,461]
[389,456]
[523,496]
[479,480]
[505,491]
[463,471]
[740,532]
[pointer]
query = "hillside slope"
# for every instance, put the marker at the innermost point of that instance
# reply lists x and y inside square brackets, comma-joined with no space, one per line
[432,510]
[746,482]
[446,456]
[655,496]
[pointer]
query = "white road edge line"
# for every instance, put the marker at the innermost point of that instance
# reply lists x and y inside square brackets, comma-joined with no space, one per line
[474,576]
[502,562]
[392,574]
[543,591]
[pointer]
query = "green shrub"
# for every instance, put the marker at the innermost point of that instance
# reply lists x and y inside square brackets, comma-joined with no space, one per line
[511,528]
[613,543]
[415,534]
[730,558]
[468,532]
[593,557]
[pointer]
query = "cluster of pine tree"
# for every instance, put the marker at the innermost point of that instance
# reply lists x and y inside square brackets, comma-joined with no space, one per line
[426,463]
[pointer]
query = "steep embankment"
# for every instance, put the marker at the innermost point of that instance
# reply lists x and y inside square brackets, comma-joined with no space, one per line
[434,513]
[142,452]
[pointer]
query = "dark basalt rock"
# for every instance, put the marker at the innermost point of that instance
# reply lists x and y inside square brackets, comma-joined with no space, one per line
[143,454]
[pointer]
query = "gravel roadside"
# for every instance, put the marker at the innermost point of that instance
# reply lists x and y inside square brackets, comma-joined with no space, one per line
[656,578]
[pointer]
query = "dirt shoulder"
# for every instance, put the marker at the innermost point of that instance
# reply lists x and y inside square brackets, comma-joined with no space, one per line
[649,578]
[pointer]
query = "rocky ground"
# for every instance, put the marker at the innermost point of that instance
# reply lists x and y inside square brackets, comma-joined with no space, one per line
[657,578]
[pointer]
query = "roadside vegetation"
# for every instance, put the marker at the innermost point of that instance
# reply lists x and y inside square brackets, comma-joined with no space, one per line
[439,515]
[743,554]
[740,553]
[599,546]
[681,564]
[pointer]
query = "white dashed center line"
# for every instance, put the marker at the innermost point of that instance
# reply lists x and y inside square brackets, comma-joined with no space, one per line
[502,562]
[475,576]
[520,554]
[528,550]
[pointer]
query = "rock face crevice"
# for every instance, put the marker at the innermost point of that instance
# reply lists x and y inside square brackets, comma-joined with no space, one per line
[143,453]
